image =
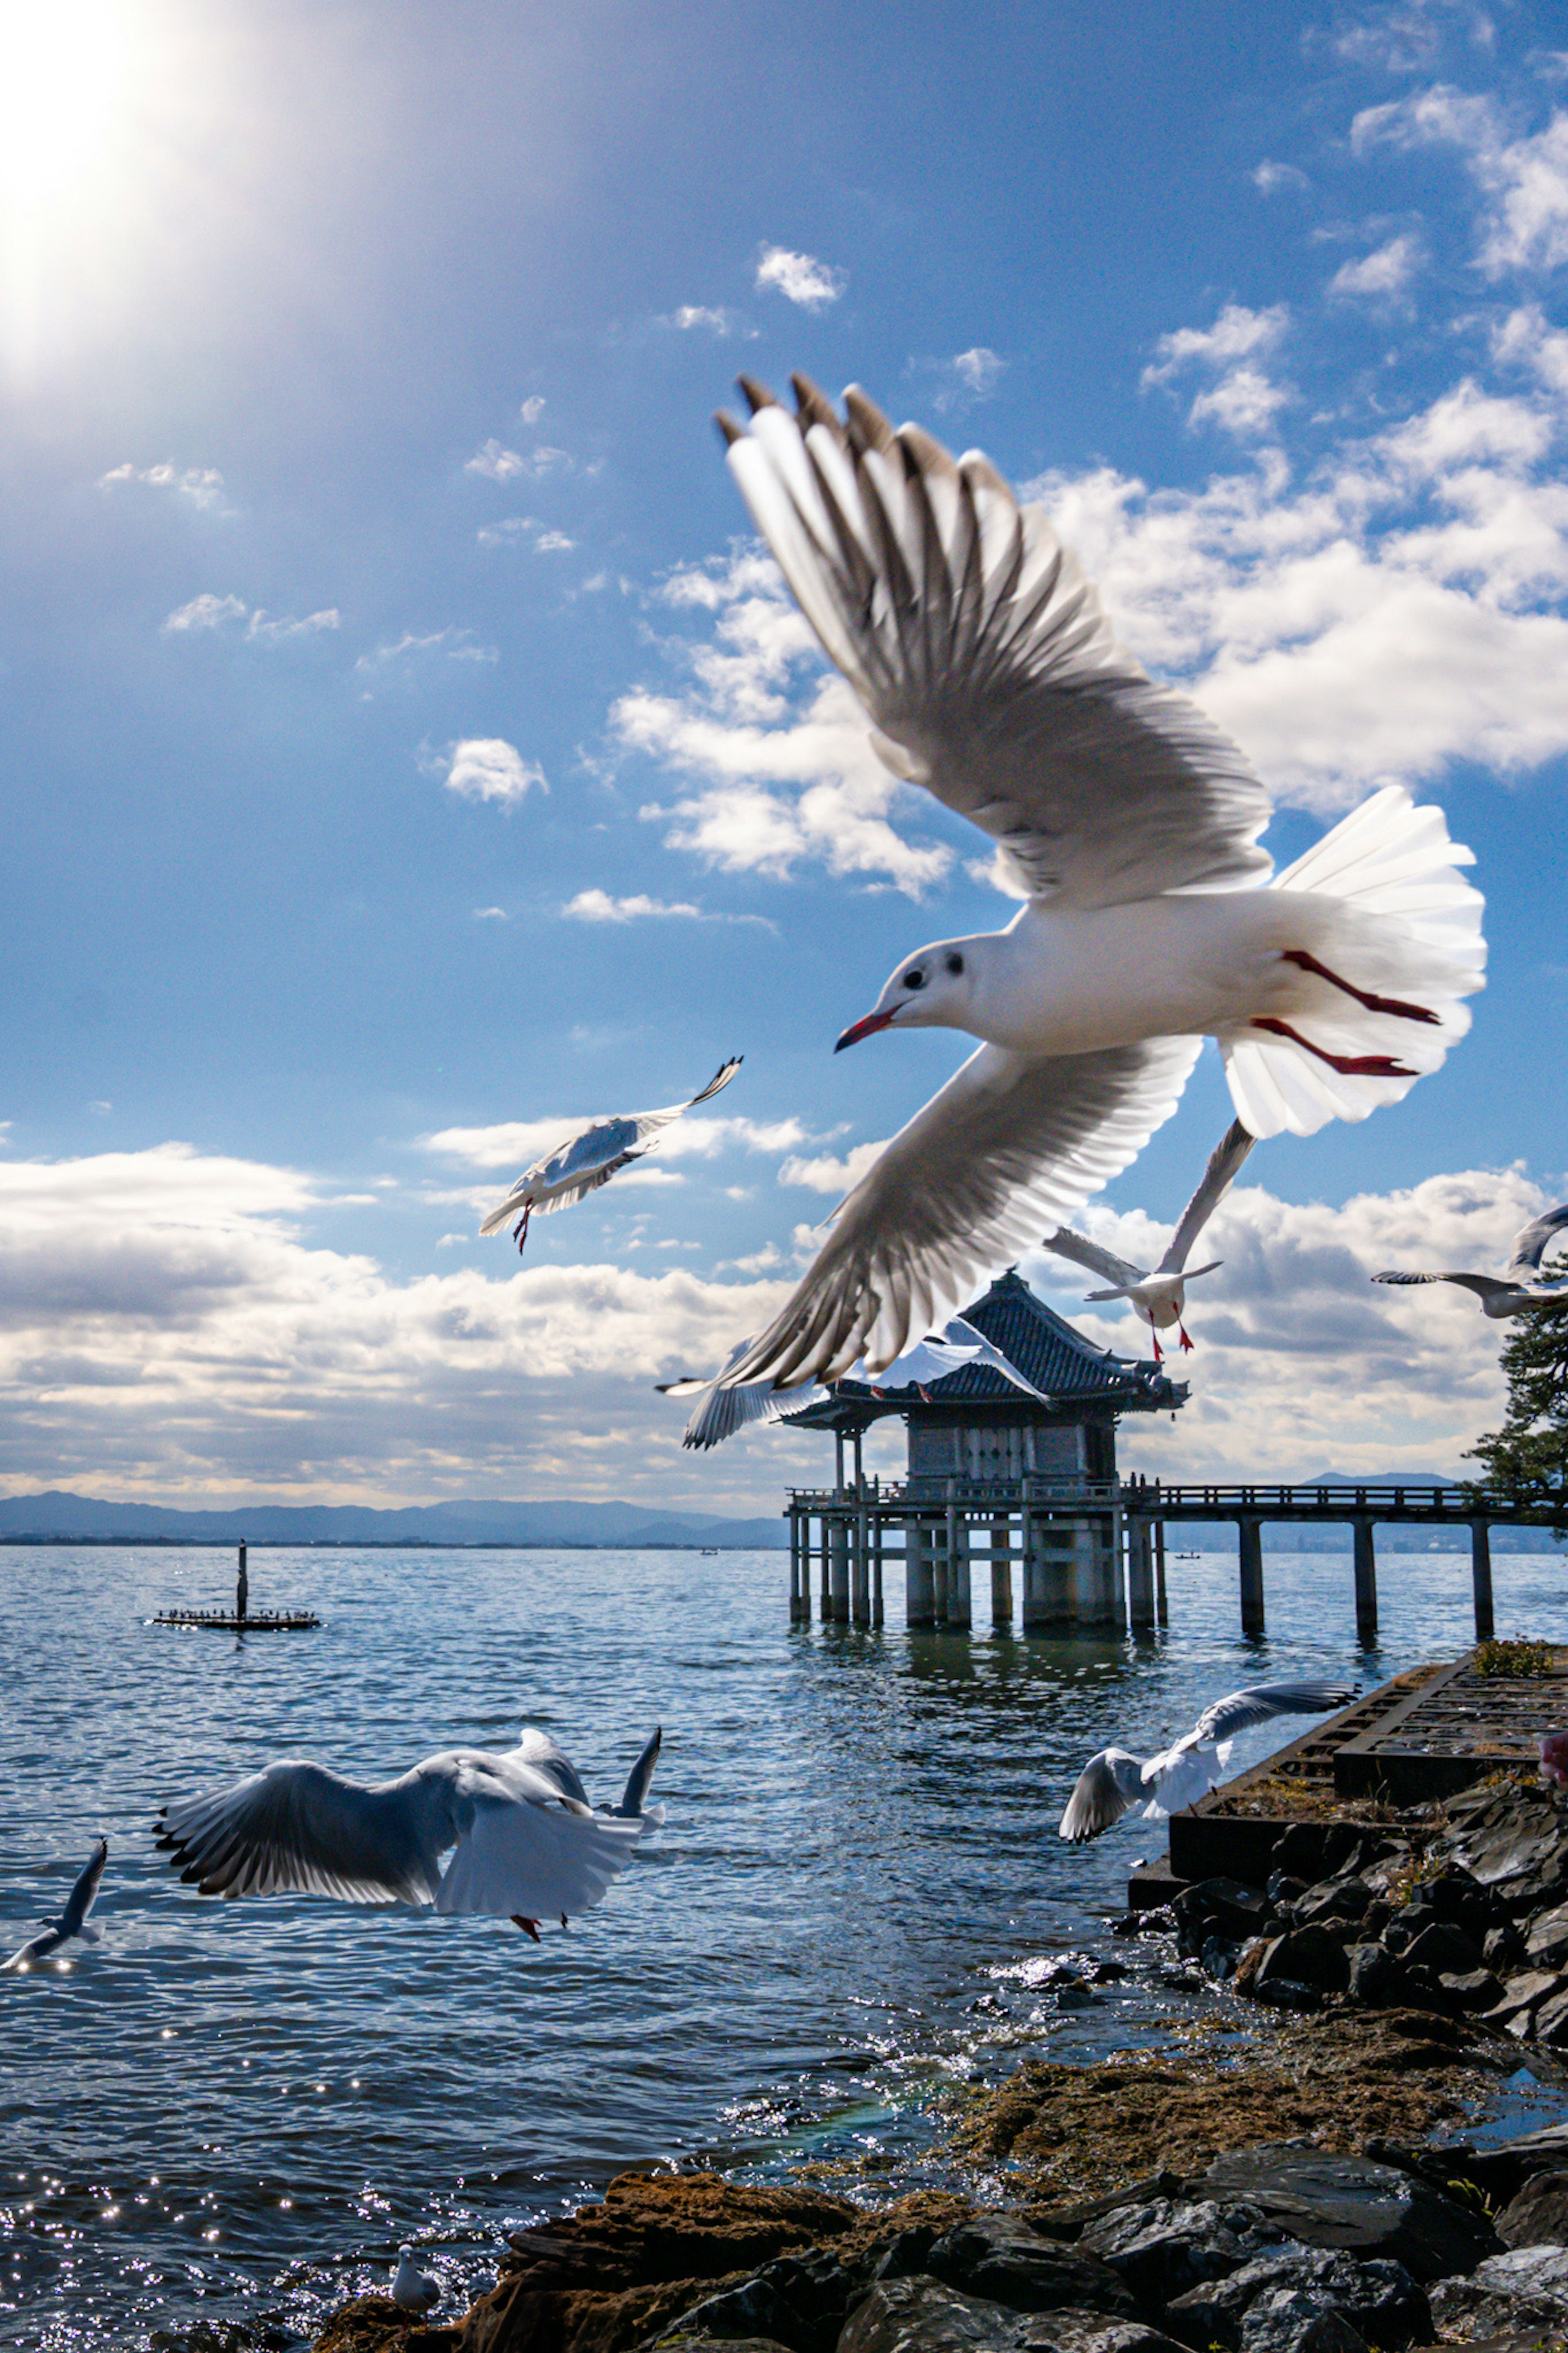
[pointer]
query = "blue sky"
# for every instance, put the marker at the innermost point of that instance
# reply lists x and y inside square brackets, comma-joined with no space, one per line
[409,751]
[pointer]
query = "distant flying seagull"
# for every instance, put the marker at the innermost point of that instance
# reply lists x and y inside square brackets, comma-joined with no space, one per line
[1113,1781]
[1158,1295]
[725,1411]
[1522,1283]
[990,676]
[72,1921]
[525,1842]
[412,2288]
[590,1158]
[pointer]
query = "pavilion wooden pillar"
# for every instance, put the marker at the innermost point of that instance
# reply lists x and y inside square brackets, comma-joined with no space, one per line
[839,1569]
[1001,1572]
[859,1571]
[920,1582]
[1139,1571]
[1365,1581]
[1249,1549]
[1482,1577]
[876,1568]
[1162,1600]
[960,1609]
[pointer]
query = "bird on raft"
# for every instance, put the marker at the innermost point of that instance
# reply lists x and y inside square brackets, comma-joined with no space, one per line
[1522,1283]
[1159,1295]
[1113,1781]
[72,1921]
[524,1841]
[723,1412]
[1130,823]
[590,1158]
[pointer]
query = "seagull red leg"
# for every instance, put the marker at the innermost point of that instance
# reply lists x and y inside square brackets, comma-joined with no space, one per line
[1394,1005]
[520,1231]
[1187,1343]
[529,1928]
[1349,1066]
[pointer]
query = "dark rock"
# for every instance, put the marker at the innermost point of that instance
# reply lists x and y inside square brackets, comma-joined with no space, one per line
[1282,1889]
[1351,2203]
[1502,1947]
[1538,2216]
[1289,1993]
[1372,1972]
[908,2254]
[1418,1988]
[1108,1972]
[756,2308]
[1309,1956]
[1546,1939]
[922,2316]
[1000,2257]
[1522,1994]
[1075,1995]
[1163,2249]
[1520,2295]
[1213,2312]
[1227,1905]
[1299,2320]
[1333,1899]
[1470,1990]
[1217,1958]
[1442,1948]
[1378,2297]
[1087,2332]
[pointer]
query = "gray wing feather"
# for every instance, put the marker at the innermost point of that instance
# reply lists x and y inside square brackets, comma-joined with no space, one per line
[1090,1255]
[980,651]
[1008,1145]
[547,1757]
[631,1806]
[1258,1702]
[298,1827]
[80,1902]
[1530,1240]
[1216,1180]
[1485,1286]
[1108,1784]
[595,1153]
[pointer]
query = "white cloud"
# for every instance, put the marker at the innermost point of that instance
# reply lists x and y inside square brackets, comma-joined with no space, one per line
[1527,339]
[783,771]
[1243,399]
[1270,178]
[705,318]
[827,1174]
[210,612]
[963,380]
[1244,402]
[510,531]
[1524,180]
[800,276]
[487,768]
[1385,272]
[599,907]
[453,644]
[518,1142]
[532,408]
[490,915]
[552,543]
[496,463]
[200,486]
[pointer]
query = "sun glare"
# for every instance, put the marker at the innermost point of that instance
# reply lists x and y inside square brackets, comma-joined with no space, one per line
[65,68]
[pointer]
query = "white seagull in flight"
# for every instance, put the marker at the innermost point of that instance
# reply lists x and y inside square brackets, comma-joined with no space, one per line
[524,1841]
[991,677]
[1522,1283]
[72,1921]
[1158,1295]
[590,1158]
[1113,1779]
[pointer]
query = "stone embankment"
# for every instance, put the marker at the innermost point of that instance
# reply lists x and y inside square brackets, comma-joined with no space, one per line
[1284,2200]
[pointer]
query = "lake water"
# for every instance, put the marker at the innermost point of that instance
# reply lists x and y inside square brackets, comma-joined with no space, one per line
[231,2110]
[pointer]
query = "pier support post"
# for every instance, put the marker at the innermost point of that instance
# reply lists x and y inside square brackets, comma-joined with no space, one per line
[838,1566]
[960,1605]
[1365,1581]
[919,1585]
[1001,1572]
[859,1578]
[825,1589]
[1250,1553]
[1162,1602]
[1140,1573]
[242,1588]
[876,1568]
[1482,1577]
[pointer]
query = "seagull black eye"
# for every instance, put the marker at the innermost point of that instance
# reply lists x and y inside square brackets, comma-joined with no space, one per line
[915,979]
[956,964]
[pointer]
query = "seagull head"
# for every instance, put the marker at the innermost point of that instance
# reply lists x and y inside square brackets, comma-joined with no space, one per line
[933,989]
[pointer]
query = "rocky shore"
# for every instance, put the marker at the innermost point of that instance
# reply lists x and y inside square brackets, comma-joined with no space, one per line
[1312,2193]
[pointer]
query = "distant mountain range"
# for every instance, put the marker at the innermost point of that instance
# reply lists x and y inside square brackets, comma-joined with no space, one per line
[64,1519]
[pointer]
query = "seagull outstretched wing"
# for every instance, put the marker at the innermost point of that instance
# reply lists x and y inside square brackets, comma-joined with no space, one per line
[591,1157]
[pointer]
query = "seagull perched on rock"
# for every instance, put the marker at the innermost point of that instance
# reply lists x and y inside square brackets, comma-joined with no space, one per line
[412,2288]
[72,1921]
[524,1841]
[1158,1295]
[1522,1283]
[1130,822]
[1113,1779]
[723,1411]
[590,1158]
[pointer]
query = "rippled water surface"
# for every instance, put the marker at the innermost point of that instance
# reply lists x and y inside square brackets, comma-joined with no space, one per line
[238,2110]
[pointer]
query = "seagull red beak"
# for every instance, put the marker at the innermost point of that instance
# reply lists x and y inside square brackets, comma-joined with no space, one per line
[866,1029]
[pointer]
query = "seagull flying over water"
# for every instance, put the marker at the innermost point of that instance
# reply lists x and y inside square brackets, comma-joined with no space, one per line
[72,1921]
[1158,1295]
[524,1841]
[1522,1283]
[991,678]
[1113,1779]
[590,1158]
[412,2288]
[723,1411]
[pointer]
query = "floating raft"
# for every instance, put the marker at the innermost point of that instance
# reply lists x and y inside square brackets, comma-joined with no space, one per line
[255,1622]
[1423,1736]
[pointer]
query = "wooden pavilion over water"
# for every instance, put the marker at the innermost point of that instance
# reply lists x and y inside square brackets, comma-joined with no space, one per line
[995,1475]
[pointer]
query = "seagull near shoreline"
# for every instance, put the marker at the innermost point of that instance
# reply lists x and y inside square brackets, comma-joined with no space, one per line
[1158,1295]
[1522,1283]
[990,676]
[72,1921]
[525,1842]
[1113,1781]
[590,1158]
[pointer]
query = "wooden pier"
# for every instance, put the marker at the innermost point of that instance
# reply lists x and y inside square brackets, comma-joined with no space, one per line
[241,1619]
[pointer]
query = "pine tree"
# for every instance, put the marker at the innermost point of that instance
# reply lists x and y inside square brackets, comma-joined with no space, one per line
[1526,1461]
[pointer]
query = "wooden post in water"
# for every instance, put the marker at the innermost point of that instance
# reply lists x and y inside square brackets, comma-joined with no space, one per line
[1250,1552]
[1139,1571]
[1365,1581]
[876,1568]
[1001,1572]
[960,1607]
[242,1588]
[1482,1577]
[839,1560]
[1162,1604]
[859,1571]
[920,1583]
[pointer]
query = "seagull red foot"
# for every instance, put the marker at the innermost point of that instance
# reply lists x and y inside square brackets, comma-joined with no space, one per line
[1307,963]
[520,1231]
[529,1928]
[1187,1343]
[1349,1066]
